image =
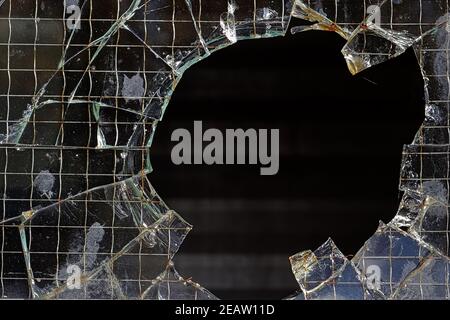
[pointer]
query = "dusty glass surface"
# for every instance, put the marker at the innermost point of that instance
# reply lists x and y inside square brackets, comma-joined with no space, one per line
[81,97]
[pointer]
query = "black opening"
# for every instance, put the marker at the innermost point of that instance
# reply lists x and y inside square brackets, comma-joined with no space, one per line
[341,140]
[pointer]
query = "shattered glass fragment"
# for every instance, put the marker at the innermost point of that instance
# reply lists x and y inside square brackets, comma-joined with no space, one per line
[169,285]
[326,274]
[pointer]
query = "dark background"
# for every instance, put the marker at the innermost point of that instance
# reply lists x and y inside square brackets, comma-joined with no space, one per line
[341,139]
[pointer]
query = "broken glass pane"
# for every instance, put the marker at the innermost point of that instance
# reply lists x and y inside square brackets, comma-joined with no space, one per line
[83,86]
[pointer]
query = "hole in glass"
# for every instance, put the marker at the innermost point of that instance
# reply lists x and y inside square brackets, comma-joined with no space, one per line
[341,140]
